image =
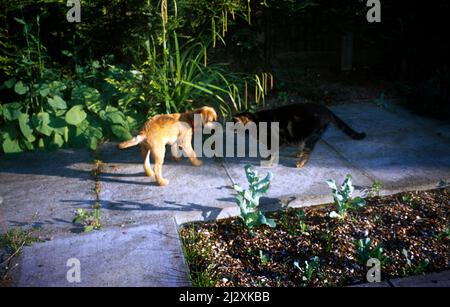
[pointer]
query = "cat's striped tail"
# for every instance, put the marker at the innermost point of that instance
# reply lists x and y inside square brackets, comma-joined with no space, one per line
[339,123]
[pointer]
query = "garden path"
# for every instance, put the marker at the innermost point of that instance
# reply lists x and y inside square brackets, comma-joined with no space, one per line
[139,245]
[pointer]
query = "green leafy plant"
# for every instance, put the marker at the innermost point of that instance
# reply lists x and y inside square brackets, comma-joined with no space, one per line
[90,220]
[302,226]
[15,239]
[264,258]
[309,269]
[51,109]
[375,189]
[407,199]
[443,235]
[343,197]
[197,256]
[327,239]
[414,269]
[248,200]
[365,251]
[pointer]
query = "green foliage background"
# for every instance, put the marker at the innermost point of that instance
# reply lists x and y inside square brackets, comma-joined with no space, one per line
[77,84]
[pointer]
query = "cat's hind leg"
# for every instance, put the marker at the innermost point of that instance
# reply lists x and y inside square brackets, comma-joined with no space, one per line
[310,142]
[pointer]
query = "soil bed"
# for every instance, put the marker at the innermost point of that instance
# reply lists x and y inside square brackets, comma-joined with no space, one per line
[226,253]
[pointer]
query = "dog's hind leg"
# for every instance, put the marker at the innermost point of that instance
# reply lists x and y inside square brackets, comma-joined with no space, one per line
[147,167]
[159,151]
[145,153]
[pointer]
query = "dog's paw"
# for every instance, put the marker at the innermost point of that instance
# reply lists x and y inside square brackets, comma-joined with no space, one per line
[196,162]
[163,182]
[176,158]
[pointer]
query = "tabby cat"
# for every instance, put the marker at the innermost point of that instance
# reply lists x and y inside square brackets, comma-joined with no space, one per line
[302,124]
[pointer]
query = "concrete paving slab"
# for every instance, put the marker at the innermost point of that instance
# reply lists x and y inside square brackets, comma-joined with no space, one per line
[40,188]
[371,119]
[430,125]
[399,160]
[382,284]
[300,187]
[148,255]
[194,193]
[441,279]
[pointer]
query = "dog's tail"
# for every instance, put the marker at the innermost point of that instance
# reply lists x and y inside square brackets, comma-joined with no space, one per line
[133,142]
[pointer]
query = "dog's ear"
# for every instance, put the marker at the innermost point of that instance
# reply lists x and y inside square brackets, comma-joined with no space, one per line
[208,114]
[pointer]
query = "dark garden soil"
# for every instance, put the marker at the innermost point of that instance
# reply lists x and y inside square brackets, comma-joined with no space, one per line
[226,253]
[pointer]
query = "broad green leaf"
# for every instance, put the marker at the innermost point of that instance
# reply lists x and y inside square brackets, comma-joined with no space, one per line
[9,83]
[75,115]
[11,146]
[20,88]
[58,124]
[28,145]
[43,89]
[44,92]
[93,143]
[88,96]
[41,122]
[269,222]
[115,118]
[76,138]
[12,111]
[57,140]
[332,184]
[66,134]
[238,188]
[41,144]
[94,132]
[88,228]
[56,88]
[25,127]
[57,103]
[121,132]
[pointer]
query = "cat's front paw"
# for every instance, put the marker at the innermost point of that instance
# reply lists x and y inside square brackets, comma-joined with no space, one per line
[300,164]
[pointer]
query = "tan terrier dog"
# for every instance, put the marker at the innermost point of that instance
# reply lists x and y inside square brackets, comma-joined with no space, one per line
[173,129]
